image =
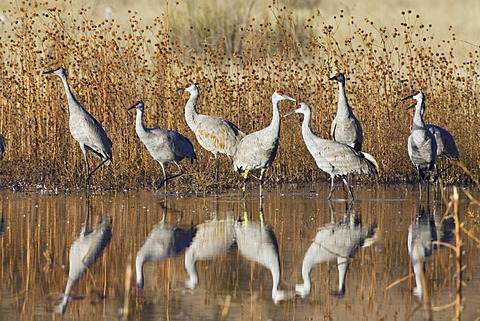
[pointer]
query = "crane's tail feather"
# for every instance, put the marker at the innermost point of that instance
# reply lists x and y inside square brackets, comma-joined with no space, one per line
[372,164]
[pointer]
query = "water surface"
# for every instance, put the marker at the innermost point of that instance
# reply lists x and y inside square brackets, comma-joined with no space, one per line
[218,256]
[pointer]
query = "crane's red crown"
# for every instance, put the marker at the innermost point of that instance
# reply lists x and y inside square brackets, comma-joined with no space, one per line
[279,93]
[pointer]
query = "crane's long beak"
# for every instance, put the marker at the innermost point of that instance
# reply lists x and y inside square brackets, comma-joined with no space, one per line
[333,78]
[411,96]
[183,88]
[413,106]
[132,107]
[289,113]
[48,72]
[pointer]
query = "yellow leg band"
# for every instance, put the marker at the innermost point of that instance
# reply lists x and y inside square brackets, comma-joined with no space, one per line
[245,174]
[245,216]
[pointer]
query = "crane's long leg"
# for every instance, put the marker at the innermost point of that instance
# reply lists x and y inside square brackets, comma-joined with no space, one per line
[216,166]
[87,166]
[438,173]
[165,179]
[95,169]
[350,193]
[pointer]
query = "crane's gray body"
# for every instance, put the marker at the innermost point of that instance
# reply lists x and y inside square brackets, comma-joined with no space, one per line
[345,127]
[214,134]
[165,146]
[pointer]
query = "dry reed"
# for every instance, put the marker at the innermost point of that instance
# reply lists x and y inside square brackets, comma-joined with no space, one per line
[110,65]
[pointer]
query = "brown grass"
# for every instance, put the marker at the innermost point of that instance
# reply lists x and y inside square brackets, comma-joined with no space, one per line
[111,64]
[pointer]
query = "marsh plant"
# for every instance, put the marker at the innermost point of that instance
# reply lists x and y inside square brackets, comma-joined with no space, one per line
[237,68]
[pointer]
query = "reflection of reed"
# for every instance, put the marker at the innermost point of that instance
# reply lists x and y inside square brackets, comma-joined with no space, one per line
[336,241]
[84,252]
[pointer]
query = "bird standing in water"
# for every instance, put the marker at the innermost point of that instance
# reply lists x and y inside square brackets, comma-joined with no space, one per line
[334,158]
[258,149]
[165,146]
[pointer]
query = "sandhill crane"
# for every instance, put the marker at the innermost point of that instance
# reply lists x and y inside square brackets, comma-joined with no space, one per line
[164,242]
[345,127]
[3,145]
[257,242]
[85,129]
[422,146]
[336,242]
[334,158]
[165,146]
[258,149]
[212,239]
[84,252]
[215,134]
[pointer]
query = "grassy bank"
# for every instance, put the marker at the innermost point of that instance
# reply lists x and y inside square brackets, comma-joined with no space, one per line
[110,64]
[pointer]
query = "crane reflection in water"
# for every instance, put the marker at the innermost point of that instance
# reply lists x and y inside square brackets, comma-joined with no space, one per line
[85,250]
[165,241]
[336,242]
[257,242]
[213,238]
[424,231]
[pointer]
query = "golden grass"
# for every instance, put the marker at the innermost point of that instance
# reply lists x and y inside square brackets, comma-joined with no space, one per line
[111,64]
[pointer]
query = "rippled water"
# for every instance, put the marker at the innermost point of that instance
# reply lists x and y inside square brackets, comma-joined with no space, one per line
[219,257]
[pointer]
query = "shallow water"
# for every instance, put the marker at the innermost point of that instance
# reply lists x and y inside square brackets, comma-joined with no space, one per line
[238,256]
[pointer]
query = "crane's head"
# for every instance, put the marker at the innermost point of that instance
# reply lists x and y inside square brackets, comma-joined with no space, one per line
[59,71]
[338,77]
[278,95]
[417,96]
[137,104]
[301,108]
[190,87]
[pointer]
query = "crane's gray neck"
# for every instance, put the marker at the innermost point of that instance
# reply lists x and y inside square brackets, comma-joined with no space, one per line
[418,122]
[139,127]
[275,123]
[343,108]
[306,129]
[191,108]
[73,103]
